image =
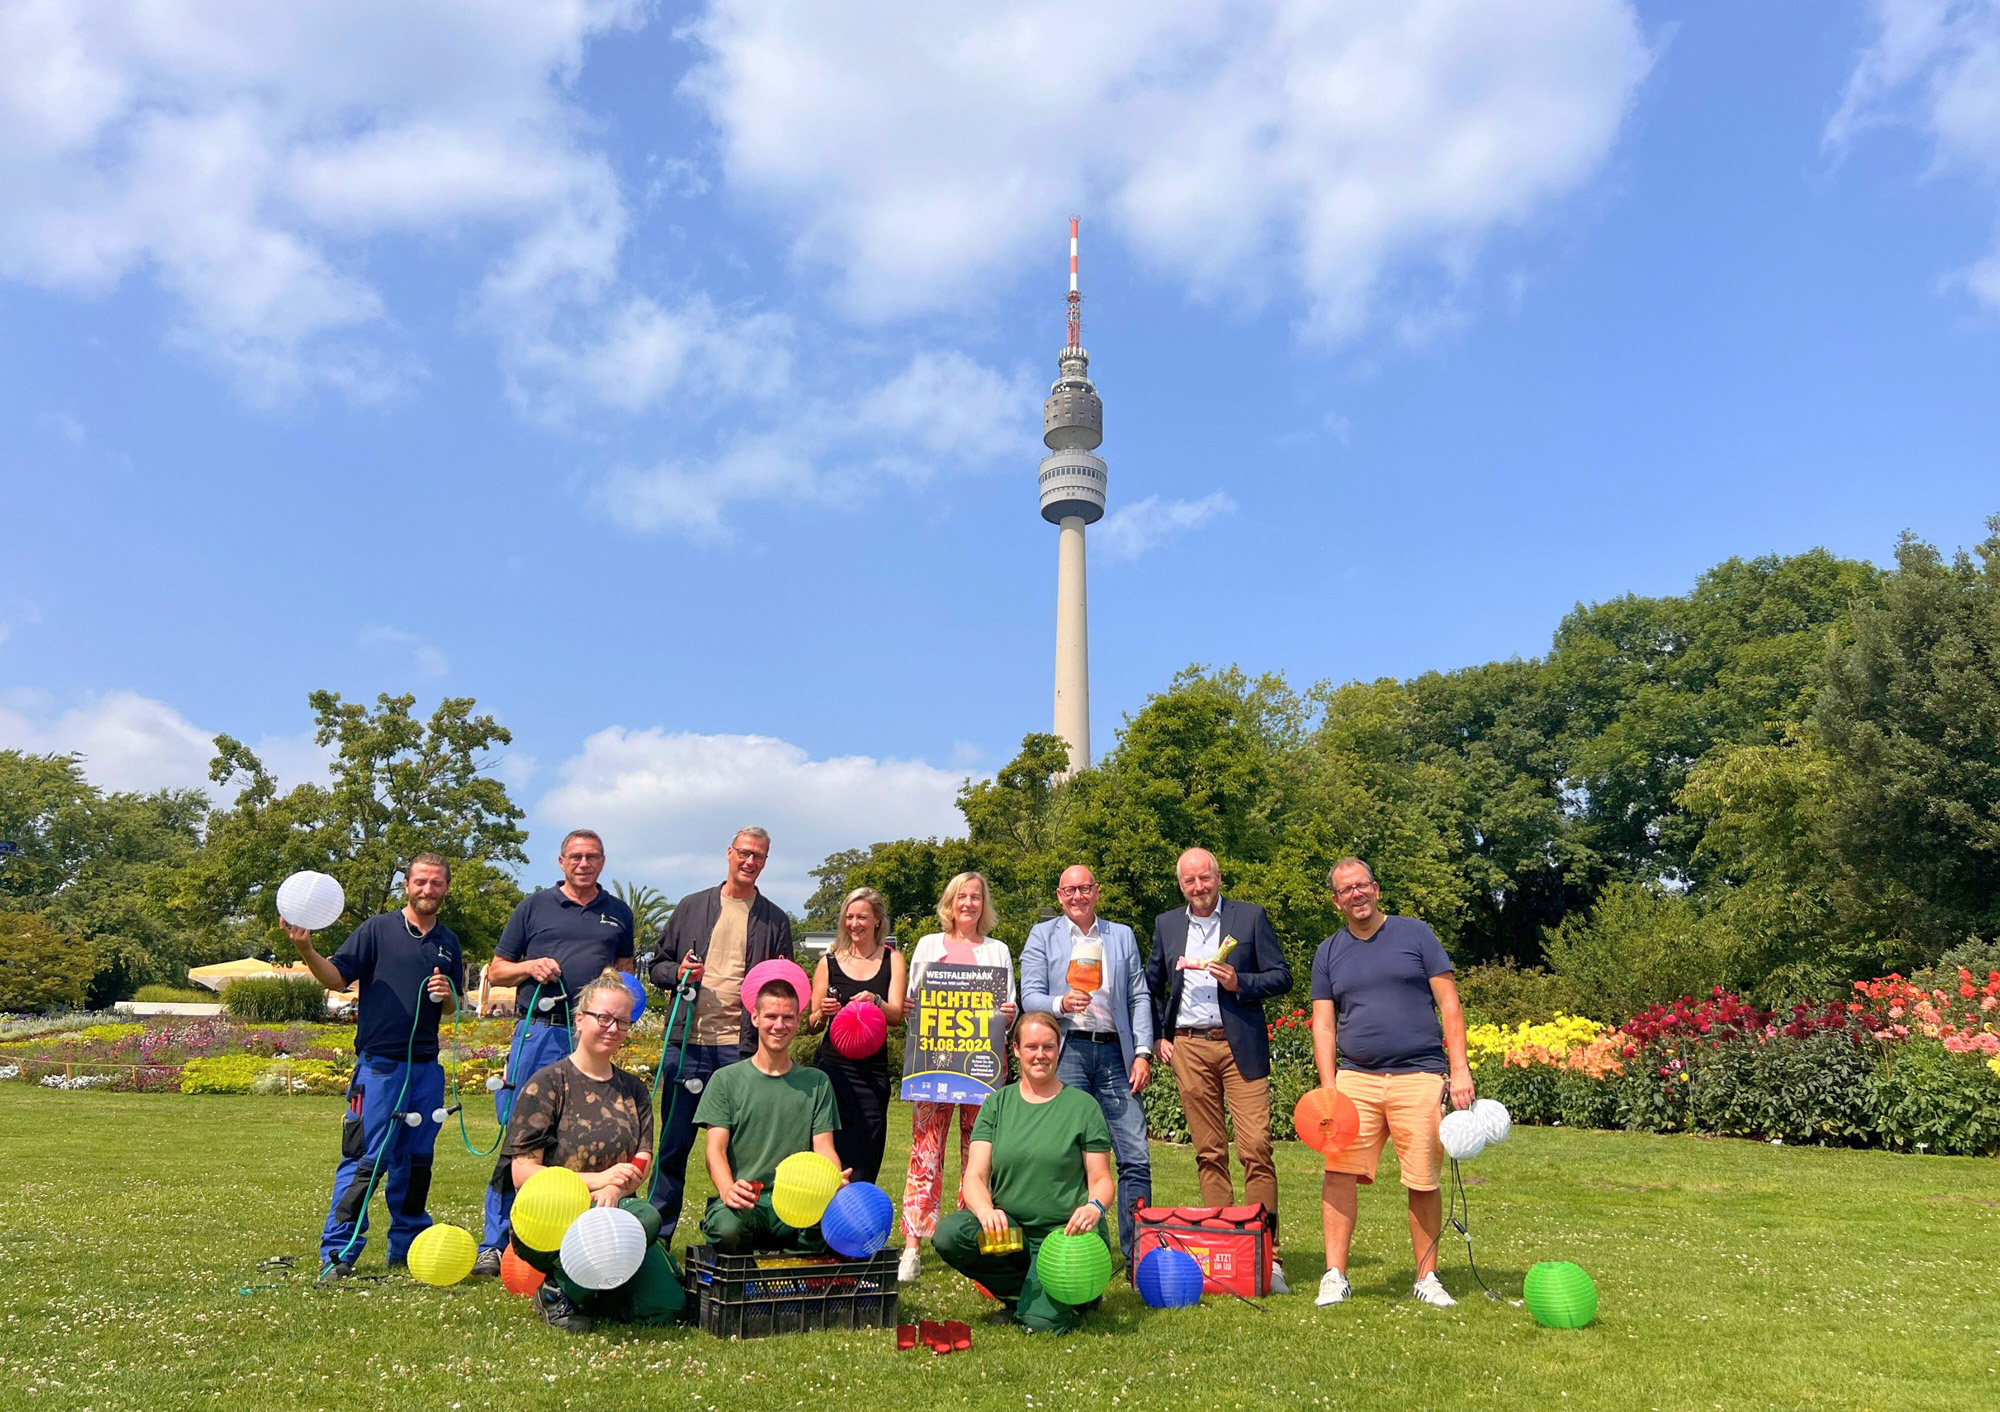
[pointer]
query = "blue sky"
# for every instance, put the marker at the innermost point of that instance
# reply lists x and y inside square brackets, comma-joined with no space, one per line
[667,377]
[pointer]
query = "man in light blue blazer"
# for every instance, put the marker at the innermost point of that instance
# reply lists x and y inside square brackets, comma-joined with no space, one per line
[1107,1033]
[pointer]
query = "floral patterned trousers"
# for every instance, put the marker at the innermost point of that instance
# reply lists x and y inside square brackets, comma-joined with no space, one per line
[923,1185]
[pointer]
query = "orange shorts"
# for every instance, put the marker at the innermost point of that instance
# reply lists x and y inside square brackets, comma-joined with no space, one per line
[1403,1109]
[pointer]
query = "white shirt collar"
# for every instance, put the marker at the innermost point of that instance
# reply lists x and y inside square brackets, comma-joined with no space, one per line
[1096,927]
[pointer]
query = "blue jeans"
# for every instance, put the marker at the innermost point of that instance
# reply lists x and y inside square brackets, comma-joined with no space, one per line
[537,1043]
[1099,1070]
[380,1093]
[677,1104]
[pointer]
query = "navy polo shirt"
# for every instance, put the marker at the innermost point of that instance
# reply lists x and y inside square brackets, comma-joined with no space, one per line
[392,966]
[585,939]
[1385,1017]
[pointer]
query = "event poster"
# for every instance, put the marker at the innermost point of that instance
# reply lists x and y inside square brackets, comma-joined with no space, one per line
[957,1041]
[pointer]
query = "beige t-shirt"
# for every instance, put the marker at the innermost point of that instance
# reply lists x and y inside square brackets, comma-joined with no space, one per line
[718,1010]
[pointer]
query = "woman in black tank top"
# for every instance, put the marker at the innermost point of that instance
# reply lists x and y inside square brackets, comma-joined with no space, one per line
[859,964]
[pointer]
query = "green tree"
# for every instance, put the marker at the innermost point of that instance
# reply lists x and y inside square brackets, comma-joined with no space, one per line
[1639,946]
[398,787]
[1910,719]
[99,867]
[42,967]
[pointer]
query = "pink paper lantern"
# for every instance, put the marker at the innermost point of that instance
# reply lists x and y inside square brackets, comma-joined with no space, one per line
[859,1029]
[777,968]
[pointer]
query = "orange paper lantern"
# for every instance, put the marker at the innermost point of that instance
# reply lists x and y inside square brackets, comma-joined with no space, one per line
[517,1274]
[1327,1120]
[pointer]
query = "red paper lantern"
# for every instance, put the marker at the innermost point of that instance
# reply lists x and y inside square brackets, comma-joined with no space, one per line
[859,1030]
[1327,1120]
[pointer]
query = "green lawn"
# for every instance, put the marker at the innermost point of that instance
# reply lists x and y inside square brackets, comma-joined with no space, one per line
[1732,1275]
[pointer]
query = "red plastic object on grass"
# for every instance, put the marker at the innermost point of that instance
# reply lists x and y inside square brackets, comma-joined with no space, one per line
[1234,1245]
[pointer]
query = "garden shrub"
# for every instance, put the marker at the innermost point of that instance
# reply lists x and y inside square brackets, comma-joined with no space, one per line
[1923,1094]
[222,1073]
[275,999]
[175,995]
[1506,994]
[1638,947]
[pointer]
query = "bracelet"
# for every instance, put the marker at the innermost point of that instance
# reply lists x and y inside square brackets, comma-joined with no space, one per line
[1102,1210]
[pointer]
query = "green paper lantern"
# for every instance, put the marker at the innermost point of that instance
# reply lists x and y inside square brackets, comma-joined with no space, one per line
[1560,1295]
[1074,1269]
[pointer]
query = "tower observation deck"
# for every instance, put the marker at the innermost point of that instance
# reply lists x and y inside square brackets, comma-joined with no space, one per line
[1072,485]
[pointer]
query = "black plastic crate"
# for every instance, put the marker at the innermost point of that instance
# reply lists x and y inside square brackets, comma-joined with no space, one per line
[753,1296]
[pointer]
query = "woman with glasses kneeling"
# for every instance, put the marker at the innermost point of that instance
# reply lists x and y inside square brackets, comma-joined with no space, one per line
[585,1113]
[1041,1160]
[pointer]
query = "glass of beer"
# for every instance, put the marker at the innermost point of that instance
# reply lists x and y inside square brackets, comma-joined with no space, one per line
[1086,966]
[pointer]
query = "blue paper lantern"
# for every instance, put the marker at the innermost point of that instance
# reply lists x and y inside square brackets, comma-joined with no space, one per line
[638,989]
[1169,1279]
[858,1220]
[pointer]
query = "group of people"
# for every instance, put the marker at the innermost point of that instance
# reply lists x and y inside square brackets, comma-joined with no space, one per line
[1062,1148]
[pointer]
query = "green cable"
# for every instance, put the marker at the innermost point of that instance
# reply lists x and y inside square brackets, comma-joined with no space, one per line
[659,1072]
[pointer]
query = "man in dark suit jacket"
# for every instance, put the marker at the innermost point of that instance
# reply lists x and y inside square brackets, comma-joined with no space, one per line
[711,941]
[1214,964]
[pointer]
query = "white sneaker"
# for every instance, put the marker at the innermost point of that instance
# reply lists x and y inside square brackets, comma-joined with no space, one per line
[1431,1292]
[910,1266]
[1278,1285]
[1333,1288]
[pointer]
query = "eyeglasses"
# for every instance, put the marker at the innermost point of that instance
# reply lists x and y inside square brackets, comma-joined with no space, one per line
[574,857]
[1080,890]
[1354,889]
[607,1021]
[748,854]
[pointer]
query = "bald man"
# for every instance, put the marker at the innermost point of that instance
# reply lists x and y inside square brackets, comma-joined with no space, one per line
[1107,1027]
[1214,964]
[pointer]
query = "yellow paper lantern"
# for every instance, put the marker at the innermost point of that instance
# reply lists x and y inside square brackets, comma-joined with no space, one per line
[443,1255]
[805,1184]
[546,1204]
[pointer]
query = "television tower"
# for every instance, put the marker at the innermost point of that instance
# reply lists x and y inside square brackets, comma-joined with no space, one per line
[1072,486]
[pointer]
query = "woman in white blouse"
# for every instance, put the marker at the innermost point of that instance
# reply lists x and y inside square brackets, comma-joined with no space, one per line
[966,909]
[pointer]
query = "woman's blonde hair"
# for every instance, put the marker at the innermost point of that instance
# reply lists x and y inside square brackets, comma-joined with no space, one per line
[610,979]
[1037,1017]
[947,903]
[877,904]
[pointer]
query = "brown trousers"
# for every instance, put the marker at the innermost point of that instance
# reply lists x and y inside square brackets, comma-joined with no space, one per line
[1205,1071]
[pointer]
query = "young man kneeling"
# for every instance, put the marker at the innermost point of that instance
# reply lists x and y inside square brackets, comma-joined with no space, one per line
[758,1112]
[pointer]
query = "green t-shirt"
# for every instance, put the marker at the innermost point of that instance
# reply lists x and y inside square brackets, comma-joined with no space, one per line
[1038,1152]
[768,1118]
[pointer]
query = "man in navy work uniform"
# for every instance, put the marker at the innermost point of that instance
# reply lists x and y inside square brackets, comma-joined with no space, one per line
[1107,1030]
[1214,964]
[558,941]
[709,944]
[408,965]
[1384,1001]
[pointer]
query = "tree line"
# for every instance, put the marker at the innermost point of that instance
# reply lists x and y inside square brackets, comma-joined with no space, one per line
[1783,780]
[1787,778]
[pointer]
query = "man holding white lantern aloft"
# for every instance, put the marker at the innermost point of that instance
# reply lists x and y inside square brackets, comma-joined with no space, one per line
[1384,1003]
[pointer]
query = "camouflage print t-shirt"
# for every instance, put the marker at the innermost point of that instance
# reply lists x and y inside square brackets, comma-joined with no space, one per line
[572,1120]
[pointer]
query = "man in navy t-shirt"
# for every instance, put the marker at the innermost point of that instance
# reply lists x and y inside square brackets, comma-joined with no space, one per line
[1384,1002]
[557,941]
[407,965]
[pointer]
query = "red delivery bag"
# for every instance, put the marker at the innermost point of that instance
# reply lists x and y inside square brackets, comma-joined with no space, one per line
[1233,1244]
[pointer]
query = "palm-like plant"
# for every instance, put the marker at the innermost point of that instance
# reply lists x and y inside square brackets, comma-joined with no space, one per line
[650,910]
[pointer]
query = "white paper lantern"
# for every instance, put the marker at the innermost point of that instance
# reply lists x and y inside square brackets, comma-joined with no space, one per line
[1463,1135]
[311,900]
[603,1248]
[1494,1117]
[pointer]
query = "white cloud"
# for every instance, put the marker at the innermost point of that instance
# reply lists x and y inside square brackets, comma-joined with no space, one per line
[1132,530]
[1935,64]
[667,804]
[424,655]
[132,742]
[943,414]
[244,155]
[919,147]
